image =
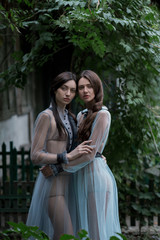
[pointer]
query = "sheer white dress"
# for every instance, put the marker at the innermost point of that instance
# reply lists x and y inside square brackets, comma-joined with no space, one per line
[49,208]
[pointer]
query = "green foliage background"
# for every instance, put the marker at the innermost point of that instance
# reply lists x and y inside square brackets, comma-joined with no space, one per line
[120,40]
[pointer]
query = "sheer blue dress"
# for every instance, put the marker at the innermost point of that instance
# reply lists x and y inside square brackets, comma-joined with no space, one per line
[95,186]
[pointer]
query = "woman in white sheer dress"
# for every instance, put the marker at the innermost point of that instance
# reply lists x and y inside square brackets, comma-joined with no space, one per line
[55,134]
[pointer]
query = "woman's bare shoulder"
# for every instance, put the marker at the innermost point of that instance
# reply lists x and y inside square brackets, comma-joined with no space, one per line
[45,114]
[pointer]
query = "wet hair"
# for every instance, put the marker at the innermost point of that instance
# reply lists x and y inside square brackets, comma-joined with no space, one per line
[95,105]
[58,81]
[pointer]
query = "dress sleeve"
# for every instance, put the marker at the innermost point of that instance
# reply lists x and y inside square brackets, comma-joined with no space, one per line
[39,155]
[99,135]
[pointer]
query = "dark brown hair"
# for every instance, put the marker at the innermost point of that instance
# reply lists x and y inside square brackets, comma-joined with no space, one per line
[57,83]
[95,105]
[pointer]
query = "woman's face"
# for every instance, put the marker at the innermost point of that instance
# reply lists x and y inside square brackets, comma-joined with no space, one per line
[65,94]
[85,90]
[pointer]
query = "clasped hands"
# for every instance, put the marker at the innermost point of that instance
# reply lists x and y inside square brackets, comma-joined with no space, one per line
[81,149]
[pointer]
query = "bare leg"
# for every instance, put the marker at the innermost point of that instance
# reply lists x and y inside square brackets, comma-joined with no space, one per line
[92,217]
[60,217]
[107,199]
[93,220]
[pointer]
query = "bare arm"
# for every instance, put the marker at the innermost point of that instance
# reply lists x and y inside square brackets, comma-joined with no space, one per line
[38,152]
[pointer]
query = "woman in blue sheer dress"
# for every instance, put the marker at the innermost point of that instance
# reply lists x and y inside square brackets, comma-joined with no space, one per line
[93,182]
[55,134]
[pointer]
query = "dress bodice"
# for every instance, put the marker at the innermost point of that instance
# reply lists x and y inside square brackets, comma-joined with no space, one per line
[47,141]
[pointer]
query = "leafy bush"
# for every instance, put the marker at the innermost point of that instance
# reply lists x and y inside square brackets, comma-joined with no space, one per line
[21,231]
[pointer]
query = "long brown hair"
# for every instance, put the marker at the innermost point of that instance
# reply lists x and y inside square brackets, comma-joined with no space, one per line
[95,105]
[57,83]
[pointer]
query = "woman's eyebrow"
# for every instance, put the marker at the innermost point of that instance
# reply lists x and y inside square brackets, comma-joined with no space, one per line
[88,84]
[68,86]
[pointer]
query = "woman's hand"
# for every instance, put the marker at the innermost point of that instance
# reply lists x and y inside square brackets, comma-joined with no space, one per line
[46,171]
[104,158]
[81,149]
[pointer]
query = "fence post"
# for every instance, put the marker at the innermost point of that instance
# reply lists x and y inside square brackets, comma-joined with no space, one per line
[23,165]
[4,163]
[13,162]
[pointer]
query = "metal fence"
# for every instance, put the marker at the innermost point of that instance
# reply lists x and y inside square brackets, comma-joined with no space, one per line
[16,184]
[17,178]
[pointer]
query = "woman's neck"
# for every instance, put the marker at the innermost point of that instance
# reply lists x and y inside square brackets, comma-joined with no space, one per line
[61,108]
